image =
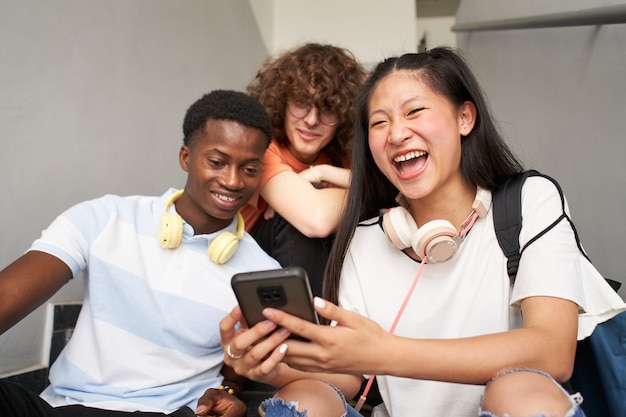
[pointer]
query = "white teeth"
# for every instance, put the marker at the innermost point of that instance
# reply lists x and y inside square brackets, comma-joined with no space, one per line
[410,155]
[225,198]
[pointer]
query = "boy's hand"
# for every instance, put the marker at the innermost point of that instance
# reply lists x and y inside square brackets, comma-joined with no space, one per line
[216,402]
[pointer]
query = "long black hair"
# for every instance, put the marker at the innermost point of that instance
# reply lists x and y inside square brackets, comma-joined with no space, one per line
[486,160]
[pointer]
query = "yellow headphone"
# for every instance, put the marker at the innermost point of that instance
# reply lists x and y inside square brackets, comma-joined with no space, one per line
[170,234]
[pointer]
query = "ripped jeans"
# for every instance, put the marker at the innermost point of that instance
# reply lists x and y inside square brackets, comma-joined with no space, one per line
[277,407]
[575,399]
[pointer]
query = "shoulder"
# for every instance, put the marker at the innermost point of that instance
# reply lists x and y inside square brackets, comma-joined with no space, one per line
[535,184]
[371,222]
[368,227]
[278,154]
[541,184]
[369,235]
[539,205]
[274,152]
[277,159]
[542,195]
[108,204]
[538,195]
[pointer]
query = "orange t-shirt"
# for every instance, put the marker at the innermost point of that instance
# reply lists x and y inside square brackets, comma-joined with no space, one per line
[277,159]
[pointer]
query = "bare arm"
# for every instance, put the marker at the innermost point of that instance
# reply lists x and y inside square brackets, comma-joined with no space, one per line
[314,212]
[547,342]
[27,283]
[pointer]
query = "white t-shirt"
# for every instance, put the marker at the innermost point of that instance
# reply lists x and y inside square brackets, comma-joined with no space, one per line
[470,294]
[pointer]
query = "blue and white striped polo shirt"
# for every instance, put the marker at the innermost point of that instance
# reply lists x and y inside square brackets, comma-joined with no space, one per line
[147,337]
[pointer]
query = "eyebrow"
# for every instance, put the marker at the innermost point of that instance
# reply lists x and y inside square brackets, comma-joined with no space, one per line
[228,156]
[404,103]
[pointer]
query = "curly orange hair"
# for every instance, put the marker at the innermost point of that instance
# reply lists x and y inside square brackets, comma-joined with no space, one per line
[332,73]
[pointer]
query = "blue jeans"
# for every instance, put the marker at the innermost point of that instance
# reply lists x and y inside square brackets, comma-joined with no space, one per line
[575,399]
[277,407]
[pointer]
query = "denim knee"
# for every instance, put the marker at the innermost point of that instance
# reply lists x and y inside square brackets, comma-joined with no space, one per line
[575,399]
[277,407]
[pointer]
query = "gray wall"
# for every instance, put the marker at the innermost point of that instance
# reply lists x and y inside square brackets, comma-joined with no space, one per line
[560,96]
[92,97]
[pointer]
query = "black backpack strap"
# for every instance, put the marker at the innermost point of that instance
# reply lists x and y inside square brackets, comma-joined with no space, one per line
[507,219]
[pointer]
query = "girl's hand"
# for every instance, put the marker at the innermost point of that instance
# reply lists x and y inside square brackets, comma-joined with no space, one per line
[311,174]
[254,353]
[349,347]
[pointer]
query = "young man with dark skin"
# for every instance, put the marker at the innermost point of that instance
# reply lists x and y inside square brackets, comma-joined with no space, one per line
[157,281]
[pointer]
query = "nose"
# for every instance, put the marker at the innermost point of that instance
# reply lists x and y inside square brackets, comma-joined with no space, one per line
[232,178]
[398,133]
[312,117]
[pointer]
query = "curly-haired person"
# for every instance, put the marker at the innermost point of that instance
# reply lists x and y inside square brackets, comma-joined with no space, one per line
[309,93]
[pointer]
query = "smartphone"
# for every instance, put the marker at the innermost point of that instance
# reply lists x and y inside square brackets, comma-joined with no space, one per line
[287,289]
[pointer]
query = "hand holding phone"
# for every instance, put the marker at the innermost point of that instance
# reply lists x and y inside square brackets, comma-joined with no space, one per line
[286,289]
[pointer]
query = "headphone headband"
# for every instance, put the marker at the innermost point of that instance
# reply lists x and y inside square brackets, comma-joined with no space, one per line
[170,233]
[175,196]
[437,240]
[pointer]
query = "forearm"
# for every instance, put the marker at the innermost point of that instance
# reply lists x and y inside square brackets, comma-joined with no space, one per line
[314,212]
[477,360]
[322,213]
[546,342]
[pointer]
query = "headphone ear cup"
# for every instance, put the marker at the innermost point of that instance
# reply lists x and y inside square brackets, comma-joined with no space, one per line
[435,241]
[399,227]
[170,230]
[225,244]
[223,247]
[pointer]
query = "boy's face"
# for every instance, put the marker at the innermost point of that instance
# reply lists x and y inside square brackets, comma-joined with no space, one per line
[223,165]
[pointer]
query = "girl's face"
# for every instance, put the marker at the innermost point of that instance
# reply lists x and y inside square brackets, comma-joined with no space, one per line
[308,135]
[414,135]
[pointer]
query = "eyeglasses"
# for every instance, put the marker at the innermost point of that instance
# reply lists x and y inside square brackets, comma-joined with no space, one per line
[300,111]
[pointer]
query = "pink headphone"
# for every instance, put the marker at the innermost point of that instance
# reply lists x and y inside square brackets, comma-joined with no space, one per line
[438,240]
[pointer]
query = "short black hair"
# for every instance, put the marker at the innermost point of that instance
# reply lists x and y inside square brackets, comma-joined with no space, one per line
[226,105]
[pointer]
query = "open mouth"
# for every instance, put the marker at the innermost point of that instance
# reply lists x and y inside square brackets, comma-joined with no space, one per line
[226,199]
[410,162]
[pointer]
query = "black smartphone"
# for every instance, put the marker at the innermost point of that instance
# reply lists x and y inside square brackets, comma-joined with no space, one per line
[287,289]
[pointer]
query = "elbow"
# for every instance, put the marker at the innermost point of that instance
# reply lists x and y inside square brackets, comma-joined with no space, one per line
[561,367]
[317,224]
[564,365]
[317,228]
[562,372]
[317,232]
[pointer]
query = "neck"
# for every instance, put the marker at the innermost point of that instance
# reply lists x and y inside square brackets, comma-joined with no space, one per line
[202,222]
[454,206]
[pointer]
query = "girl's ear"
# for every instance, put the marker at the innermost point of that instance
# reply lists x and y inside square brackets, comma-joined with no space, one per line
[467,118]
